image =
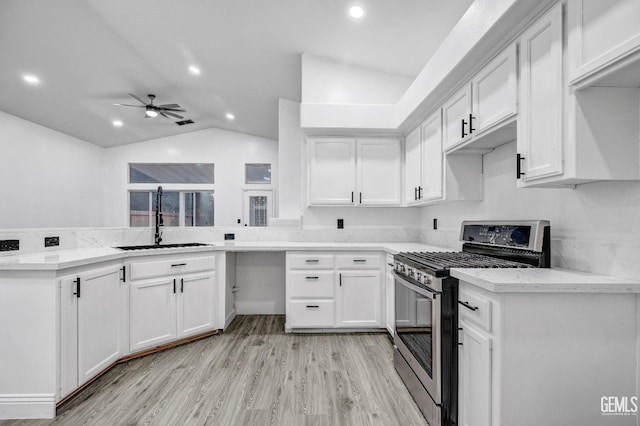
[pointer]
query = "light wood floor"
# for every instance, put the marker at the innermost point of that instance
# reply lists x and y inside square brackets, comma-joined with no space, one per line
[253,374]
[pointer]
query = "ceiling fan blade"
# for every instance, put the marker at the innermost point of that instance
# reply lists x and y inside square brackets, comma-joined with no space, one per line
[137,99]
[166,113]
[173,109]
[135,106]
[168,106]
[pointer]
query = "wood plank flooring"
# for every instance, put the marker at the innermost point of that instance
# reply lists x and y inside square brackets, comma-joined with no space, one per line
[253,374]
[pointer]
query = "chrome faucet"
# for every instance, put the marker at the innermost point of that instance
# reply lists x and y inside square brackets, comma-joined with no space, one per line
[159,221]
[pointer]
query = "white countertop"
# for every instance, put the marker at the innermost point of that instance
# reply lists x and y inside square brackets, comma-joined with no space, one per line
[544,280]
[62,259]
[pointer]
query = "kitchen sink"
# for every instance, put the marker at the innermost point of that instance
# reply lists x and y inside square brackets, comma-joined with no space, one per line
[161,246]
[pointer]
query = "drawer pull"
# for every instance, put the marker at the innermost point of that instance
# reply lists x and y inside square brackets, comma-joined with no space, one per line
[312,278]
[359,260]
[178,264]
[467,305]
[313,306]
[312,260]
[390,264]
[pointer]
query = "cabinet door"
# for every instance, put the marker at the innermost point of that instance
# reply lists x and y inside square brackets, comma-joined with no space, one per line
[493,91]
[152,313]
[431,188]
[540,116]
[196,304]
[390,303]
[99,322]
[413,161]
[379,172]
[68,336]
[474,390]
[454,112]
[601,32]
[332,171]
[358,299]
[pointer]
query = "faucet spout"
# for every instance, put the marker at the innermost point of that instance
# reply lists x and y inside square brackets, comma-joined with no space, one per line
[159,221]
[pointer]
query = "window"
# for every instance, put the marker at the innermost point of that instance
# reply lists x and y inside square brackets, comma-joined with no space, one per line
[257,173]
[187,197]
[257,208]
[171,173]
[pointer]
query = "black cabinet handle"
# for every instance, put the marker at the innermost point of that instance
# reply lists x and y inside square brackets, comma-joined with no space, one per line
[390,264]
[415,193]
[340,279]
[77,292]
[419,193]
[124,274]
[467,305]
[181,285]
[519,171]
[471,128]
[352,196]
[311,278]
[313,306]
[464,123]
[178,264]
[174,285]
[359,260]
[312,260]
[361,198]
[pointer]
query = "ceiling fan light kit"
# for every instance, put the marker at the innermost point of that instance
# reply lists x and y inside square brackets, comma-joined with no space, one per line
[151,110]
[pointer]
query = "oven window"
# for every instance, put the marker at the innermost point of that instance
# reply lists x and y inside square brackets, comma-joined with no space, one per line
[413,325]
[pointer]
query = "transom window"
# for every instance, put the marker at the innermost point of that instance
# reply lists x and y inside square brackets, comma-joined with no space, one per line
[171,173]
[257,173]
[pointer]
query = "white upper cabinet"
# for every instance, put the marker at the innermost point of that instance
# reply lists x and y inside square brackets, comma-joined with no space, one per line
[364,171]
[379,172]
[601,33]
[481,115]
[455,118]
[332,171]
[540,117]
[413,166]
[494,91]
[431,188]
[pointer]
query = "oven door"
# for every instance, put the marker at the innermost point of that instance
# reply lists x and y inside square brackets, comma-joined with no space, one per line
[417,335]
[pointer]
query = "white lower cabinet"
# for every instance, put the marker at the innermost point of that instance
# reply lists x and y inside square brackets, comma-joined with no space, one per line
[390,299]
[474,376]
[173,307]
[92,317]
[358,299]
[334,290]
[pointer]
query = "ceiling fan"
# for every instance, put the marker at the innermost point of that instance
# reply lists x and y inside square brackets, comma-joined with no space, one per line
[151,110]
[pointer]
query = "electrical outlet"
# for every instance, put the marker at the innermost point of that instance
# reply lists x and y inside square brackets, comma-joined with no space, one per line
[435,223]
[9,245]
[229,237]
[340,223]
[51,241]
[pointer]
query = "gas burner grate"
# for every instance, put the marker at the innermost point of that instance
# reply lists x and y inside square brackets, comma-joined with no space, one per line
[447,260]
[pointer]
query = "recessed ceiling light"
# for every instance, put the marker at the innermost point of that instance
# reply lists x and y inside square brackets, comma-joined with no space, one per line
[230,116]
[194,70]
[117,123]
[356,12]
[31,79]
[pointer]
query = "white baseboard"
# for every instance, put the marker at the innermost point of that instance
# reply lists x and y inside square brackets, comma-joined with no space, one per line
[27,406]
[229,318]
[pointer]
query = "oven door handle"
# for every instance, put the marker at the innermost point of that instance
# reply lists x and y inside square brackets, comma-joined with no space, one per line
[431,294]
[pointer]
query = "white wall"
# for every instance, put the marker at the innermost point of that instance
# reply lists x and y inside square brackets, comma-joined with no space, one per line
[594,227]
[260,278]
[229,151]
[289,160]
[49,179]
[328,82]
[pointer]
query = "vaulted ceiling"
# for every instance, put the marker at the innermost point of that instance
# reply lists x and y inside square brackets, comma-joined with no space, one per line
[89,54]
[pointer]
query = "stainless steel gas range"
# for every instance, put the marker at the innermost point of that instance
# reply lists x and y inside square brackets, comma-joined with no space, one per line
[426,306]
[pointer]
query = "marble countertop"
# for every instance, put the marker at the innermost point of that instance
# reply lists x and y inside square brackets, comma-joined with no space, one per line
[543,280]
[63,259]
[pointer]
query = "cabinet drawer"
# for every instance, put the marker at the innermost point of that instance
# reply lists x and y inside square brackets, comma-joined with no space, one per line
[310,261]
[306,284]
[475,308]
[166,267]
[358,261]
[311,313]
